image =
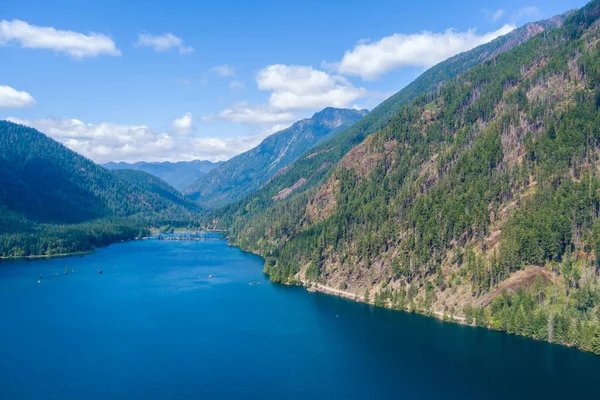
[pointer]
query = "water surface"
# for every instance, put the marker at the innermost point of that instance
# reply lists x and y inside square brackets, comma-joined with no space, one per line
[155,326]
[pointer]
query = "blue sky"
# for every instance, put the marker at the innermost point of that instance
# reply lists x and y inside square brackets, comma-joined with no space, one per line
[153,80]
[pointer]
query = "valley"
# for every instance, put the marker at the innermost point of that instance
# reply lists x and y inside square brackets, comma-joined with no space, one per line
[472,194]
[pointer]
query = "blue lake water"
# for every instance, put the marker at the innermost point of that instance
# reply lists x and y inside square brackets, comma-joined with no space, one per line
[154,326]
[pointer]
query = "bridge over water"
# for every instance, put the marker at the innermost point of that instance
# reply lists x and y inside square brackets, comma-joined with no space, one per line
[195,236]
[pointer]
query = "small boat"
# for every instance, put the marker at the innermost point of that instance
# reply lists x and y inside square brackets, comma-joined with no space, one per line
[210,276]
[67,269]
[100,272]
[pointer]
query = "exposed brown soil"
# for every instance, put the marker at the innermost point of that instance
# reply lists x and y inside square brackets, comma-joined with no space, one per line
[323,203]
[520,279]
[362,159]
[283,193]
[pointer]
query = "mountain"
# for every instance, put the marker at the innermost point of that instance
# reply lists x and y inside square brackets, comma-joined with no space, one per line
[317,163]
[180,174]
[44,185]
[246,172]
[477,200]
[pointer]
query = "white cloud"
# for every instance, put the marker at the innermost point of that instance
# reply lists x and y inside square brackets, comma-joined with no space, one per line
[162,43]
[237,85]
[77,45]
[216,149]
[292,87]
[242,112]
[493,16]
[106,142]
[11,98]
[183,125]
[373,59]
[303,87]
[269,130]
[224,70]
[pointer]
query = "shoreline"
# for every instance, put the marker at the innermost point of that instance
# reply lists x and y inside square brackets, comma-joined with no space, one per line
[61,255]
[317,287]
[73,254]
[320,288]
[46,256]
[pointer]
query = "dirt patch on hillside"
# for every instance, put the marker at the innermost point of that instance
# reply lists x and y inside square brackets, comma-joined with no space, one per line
[323,204]
[520,279]
[308,157]
[283,193]
[363,158]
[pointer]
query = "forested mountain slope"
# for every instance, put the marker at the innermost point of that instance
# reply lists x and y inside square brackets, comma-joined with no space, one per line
[311,167]
[180,174]
[246,172]
[43,184]
[479,199]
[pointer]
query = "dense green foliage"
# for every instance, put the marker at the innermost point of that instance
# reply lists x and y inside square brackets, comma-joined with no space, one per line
[495,170]
[58,239]
[248,171]
[55,201]
[545,313]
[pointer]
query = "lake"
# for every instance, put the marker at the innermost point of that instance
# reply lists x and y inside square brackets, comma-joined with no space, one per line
[153,325]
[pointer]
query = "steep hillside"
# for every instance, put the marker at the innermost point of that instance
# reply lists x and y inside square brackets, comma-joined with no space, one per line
[43,184]
[318,162]
[245,173]
[180,174]
[478,200]
[158,194]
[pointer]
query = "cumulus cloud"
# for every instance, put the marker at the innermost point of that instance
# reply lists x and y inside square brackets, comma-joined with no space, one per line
[75,44]
[242,112]
[162,43]
[493,15]
[106,142]
[103,142]
[12,98]
[183,125]
[292,87]
[269,130]
[217,149]
[224,70]
[370,60]
[303,87]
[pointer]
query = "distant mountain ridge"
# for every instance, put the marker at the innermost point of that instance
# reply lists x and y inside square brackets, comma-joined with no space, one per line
[247,172]
[179,174]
